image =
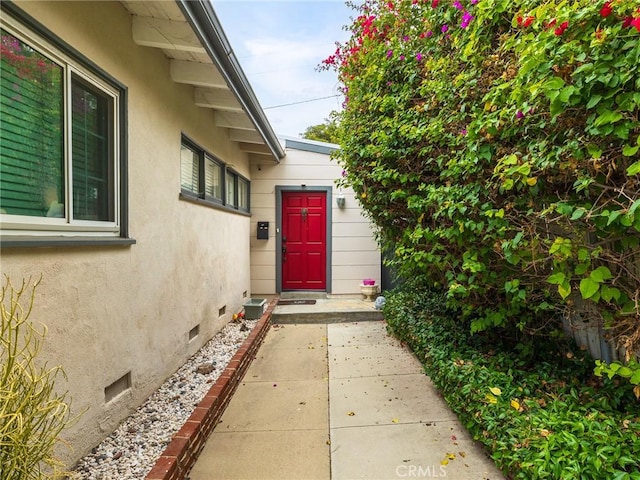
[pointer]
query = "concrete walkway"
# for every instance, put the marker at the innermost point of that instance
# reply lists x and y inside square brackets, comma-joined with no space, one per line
[338,401]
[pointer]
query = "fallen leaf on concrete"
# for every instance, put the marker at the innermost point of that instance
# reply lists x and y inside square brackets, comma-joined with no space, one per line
[351,414]
[394,420]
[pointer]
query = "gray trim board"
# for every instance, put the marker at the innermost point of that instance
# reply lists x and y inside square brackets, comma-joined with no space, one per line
[307,146]
[34,242]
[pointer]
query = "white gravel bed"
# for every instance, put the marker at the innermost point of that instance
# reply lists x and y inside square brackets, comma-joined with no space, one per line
[130,452]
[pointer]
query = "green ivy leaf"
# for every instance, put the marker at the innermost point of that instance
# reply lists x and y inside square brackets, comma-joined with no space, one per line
[555,83]
[607,117]
[581,268]
[593,101]
[578,213]
[588,287]
[630,151]
[594,151]
[609,293]
[583,254]
[625,372]
[600,274]
[556,278]
[633,169]
[564,289]
[627,220]
[612,216]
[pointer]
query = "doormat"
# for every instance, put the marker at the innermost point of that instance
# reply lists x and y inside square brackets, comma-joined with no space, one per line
[296,302]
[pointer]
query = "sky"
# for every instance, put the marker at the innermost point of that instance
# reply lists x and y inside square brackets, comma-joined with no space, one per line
[279,44]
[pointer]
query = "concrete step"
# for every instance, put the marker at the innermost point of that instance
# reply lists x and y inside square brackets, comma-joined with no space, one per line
[334,309]
[297,295]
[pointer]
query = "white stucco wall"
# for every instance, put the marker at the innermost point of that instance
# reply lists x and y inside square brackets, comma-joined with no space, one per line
[354,255]
[111,310]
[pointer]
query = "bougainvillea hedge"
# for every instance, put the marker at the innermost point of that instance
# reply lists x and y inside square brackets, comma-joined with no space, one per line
[496,145]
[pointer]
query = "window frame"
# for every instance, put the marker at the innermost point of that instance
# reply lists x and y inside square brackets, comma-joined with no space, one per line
[23,230]
[226,174]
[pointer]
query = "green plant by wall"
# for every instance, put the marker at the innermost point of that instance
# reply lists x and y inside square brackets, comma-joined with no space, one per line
[496,145]
[541,414]
[32,414]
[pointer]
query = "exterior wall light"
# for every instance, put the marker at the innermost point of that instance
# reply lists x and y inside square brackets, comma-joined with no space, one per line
[340,201]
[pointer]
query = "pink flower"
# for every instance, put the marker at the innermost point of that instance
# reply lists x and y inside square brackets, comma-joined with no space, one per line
[389,53]
[458,5]
[466,19]
[444,28]
[418,56]
[434,3]
[606,9]
[519,114]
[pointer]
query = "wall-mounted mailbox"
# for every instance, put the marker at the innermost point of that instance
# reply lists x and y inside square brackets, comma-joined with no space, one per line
[263,230]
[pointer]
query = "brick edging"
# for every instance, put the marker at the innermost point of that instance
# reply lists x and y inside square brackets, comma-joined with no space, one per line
[185,446]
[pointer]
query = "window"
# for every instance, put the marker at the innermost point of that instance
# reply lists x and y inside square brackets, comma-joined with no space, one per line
[60,139]
[213,179]
[189,170]
[231,189]
[204,177]
[243,194]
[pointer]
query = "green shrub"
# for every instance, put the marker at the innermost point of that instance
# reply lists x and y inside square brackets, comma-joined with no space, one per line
[539,416]
[32,414]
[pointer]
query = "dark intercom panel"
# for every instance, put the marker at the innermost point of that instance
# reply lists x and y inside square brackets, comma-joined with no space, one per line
[263,230]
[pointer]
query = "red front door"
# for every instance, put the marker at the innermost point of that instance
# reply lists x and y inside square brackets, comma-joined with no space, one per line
[304,228]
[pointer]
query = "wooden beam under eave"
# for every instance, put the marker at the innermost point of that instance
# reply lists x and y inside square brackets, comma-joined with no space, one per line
[199,74]
[245,136]
[255,148]
[165,34]
[258,158]
[233,120]
[217,99]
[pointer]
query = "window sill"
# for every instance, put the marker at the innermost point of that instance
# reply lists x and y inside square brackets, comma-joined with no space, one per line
[31,242]
[214,205]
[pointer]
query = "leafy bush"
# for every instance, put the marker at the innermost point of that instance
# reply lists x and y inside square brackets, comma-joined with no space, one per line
[495,143]
[32,414]
[547,417]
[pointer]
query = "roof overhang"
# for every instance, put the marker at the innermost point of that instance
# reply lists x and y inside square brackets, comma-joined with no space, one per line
[191,36]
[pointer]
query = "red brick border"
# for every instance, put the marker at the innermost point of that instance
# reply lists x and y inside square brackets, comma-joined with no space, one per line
[185,446]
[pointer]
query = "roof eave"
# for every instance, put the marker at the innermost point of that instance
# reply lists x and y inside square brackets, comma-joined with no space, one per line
[205,23]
